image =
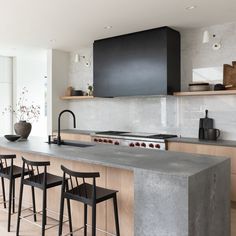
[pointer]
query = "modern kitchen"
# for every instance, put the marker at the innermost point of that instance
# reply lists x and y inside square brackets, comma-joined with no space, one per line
[118,118]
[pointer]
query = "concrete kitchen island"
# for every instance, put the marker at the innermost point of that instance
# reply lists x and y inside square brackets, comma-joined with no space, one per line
[161,193]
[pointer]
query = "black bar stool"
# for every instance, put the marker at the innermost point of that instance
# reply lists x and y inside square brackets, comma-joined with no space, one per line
[11,172]
[88,194]
[41,180]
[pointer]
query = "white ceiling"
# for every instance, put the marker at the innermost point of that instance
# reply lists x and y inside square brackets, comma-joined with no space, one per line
[72,24]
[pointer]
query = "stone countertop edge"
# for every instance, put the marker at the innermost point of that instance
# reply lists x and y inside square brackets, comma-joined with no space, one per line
[161,162]
[226,143]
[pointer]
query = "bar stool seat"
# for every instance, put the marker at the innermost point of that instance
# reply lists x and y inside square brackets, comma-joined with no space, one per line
[84,193]
[89,195]
[37,180]
[5,172]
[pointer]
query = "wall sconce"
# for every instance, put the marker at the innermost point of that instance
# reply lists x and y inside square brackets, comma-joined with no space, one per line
[207,38]
[82,59]
[77,59]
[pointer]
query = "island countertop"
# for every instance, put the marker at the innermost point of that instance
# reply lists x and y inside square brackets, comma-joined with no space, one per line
[160,192]
[166,162]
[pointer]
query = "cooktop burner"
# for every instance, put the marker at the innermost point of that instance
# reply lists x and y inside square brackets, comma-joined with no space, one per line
[135,135]
[112,132]
[162,136]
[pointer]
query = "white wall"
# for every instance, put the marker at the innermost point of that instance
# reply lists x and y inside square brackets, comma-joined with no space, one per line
[195,54]
[58,71]
[6,92]
[30,69]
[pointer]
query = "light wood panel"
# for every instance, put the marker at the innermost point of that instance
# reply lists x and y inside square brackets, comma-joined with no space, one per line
[75,137]
[118,179]
[206,93]
[210,150]
[121,180]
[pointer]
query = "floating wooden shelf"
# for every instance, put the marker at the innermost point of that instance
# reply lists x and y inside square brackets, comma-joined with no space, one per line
[75,97]
[206,93]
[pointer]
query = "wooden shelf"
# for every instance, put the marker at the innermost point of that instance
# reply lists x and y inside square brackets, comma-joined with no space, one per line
[206,93]
[75,97]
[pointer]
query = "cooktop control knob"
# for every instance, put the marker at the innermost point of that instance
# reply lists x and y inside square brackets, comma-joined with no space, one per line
[105,141]
[151,145]
[131,144]
[137,144]
[95,140]
[99,140]
[143,144]
[117,143]
[110,141]
[157,146]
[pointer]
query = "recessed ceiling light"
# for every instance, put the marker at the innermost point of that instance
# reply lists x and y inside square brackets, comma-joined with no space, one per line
[108,27]
[191,7]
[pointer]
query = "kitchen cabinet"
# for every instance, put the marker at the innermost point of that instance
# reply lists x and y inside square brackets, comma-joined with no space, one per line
[210,150]
[75,136]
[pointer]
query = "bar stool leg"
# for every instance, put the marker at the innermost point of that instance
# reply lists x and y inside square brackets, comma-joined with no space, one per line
[61,215]
[44,216]
[19,208]
[13,198]
[94,220]
[3,193]
[69,216]
[116,215]
[61,209]
[33,201]
[85,219]
[10,202]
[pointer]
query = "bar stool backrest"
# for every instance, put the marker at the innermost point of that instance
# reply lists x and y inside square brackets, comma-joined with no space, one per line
[6,163]
[79,178]
[35,170]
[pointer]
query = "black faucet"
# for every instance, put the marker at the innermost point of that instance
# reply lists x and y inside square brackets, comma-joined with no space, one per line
[59,125]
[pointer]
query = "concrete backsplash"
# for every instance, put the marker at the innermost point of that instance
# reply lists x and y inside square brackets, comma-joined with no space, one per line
[163,114]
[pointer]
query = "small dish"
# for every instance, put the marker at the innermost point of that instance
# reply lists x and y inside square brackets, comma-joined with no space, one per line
[12,137]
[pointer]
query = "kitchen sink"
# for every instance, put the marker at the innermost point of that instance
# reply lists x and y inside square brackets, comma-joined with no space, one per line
[73,144]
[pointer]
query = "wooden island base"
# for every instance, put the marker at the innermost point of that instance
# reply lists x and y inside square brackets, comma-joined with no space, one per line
[113,178]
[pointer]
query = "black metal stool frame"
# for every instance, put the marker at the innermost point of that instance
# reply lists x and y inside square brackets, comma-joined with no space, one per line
[87,198]
[11,172]
[38,180]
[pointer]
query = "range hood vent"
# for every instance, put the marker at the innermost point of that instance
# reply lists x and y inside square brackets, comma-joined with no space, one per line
[142,63]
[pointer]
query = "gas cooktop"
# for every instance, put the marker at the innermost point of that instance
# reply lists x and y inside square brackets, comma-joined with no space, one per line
[141,140]
[136,135]
[111,132]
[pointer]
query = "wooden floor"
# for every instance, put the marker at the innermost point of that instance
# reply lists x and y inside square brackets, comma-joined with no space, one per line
[28,229]
[31,230]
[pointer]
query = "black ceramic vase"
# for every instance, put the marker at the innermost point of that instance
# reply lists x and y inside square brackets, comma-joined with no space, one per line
[23,129]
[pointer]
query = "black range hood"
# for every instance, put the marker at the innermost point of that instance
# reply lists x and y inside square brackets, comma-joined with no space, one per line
[142,63]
